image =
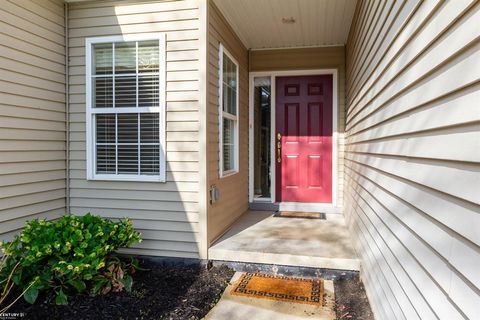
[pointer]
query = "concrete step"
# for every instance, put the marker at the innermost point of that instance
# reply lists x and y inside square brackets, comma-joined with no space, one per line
[284,259]
[259,237]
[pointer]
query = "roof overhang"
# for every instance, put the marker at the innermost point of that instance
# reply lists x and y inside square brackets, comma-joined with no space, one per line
[271,24]
[265,24]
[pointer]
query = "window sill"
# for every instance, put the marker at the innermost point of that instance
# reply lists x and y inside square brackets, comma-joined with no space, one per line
[126,178]
[228,173]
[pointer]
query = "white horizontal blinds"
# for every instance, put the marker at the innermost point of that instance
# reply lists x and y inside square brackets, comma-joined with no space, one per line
[105,144]
[229,112]
[149,144]
[148,94]
[103,81]
[103,58]
[148,69]
[126,80]
[148,56]
[104,92]
[125,57]
[125,74]
[127,140]
[228,144]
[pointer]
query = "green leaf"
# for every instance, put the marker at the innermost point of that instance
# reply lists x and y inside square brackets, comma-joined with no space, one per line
[127,282]
[61,298]
[17,278]
[97,286]
[31,295]
[136,264]
[78,284]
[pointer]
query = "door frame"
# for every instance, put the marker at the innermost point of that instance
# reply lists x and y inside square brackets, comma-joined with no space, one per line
[273,75]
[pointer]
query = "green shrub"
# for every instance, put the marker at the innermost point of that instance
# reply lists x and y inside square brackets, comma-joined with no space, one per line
[68,256]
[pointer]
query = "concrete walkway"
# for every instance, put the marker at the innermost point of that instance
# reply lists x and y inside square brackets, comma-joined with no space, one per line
[232,307]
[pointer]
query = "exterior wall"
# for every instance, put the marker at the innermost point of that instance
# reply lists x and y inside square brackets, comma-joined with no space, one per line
[412,166]
[311,58]
[167,214]
[32,112]
[233,189]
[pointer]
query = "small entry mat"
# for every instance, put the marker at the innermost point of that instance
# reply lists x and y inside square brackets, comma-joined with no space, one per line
[289,289]
[303,215]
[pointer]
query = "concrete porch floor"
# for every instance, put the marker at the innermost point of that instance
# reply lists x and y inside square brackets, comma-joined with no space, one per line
[259,237]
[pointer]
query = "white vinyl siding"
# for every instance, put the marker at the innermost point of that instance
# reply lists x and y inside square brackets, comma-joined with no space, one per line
[167,214]
[228,111]
[126,108]
[32,113]
[413,156]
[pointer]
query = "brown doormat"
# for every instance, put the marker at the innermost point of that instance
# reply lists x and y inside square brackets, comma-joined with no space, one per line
[299,290]
[304,215]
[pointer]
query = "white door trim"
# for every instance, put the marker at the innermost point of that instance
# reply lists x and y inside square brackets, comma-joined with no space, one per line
[273,75]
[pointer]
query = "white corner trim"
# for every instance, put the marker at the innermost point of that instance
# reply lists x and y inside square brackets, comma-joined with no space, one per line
[90,111]
[203,189]
[221,114]
[273,75]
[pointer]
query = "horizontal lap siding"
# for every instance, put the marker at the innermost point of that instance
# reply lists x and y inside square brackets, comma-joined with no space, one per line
[305,59]
[233,189]
[165,213]
[413,156]
[32,113]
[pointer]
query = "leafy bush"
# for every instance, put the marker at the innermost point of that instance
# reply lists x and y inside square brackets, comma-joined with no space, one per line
[68,256]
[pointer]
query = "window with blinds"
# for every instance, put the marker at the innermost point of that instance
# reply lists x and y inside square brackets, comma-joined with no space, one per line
[125,109]
[228,110]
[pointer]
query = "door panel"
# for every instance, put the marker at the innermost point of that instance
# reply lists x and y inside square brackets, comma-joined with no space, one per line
[304,139]
[292,118]
[291,165]
[314,171]
[314,122]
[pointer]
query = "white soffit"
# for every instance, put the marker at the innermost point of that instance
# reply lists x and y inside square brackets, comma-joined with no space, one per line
[259,23]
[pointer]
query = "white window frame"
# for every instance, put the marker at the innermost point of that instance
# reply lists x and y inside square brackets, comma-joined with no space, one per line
[222,114]
[90,111]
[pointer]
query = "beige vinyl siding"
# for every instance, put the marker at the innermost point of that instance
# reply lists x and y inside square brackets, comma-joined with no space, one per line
[233,189]
[308,59]
[413,156]
[32,113]
[167,214]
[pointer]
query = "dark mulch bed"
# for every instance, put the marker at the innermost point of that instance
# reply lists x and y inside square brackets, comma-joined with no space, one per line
[162,292]
[351,301]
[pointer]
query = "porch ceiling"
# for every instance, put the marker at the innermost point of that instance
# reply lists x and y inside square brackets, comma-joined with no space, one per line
[264,24]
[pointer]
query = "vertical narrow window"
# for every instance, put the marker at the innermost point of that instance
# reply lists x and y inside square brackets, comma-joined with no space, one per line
[262,92]
[228,112]
[126,108]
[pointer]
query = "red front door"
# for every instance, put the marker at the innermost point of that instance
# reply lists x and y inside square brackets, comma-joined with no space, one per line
[303,139]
